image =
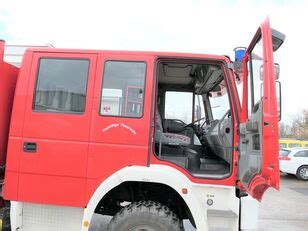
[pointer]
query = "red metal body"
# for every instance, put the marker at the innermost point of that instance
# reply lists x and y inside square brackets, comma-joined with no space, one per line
[74,158]
[8,78]
[269,175]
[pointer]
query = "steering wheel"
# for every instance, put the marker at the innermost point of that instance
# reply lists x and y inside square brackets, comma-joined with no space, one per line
[221,126]
[178,121]
[192,123]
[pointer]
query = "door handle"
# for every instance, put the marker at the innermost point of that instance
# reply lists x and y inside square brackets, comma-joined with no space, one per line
[29,147]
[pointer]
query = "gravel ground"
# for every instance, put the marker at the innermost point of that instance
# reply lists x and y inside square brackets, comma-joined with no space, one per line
[286,210]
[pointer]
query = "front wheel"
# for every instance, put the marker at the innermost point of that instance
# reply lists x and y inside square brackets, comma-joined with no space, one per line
[147,216]
[302,173]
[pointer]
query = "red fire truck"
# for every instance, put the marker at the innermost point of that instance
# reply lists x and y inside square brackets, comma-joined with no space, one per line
[149,138]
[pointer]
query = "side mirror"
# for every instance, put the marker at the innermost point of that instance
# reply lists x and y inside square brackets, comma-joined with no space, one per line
[276,71]
[278,95]
[277,39]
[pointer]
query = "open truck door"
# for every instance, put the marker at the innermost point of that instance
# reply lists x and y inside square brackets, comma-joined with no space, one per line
[258,147]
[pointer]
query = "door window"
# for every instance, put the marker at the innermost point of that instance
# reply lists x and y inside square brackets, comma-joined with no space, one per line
[256,75]
[123,89]
[61,85]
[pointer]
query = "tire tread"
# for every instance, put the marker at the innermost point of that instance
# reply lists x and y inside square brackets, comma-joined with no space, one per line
[162,211]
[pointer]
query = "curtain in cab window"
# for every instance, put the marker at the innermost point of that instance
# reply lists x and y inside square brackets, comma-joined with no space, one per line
[61,85]
[123,89]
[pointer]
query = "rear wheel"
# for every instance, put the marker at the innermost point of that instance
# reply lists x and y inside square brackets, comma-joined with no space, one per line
[302,173]
[5,224]
[145,216]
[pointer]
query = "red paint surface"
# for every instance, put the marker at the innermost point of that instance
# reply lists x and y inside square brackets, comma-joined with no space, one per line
[8,78]
[269,175]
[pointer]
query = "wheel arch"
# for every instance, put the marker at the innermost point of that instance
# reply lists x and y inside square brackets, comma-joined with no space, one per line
[159,174]
[135,191]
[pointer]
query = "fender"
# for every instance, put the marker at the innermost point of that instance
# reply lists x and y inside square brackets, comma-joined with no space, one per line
[155,174]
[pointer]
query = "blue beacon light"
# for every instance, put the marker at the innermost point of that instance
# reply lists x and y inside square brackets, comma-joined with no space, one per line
[239,53]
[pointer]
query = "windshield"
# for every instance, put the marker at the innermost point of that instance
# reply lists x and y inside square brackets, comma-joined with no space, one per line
[219,101]
[284,152]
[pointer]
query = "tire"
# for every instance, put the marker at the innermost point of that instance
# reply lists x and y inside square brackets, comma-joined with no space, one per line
[302,173]
[145,215]
[5,219]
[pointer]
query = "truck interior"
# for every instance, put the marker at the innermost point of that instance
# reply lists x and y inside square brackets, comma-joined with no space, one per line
[193,122]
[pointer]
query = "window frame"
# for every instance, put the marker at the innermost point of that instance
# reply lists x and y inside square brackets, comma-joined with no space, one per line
[36,84]
[203,105]
[102,87]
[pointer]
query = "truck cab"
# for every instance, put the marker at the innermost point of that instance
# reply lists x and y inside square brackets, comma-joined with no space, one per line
[158,137]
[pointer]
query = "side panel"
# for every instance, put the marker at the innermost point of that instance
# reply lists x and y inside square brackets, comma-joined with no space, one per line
[55,173]
[38,217]
[249,213]
[117,141]
[8,78]
[15,133]
[223,214]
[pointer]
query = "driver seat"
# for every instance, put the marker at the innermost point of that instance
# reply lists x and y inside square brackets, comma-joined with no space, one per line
[162,137]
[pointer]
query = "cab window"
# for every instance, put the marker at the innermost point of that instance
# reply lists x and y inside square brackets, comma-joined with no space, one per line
[178,105]
[61,85]
[219,103]
[123,89]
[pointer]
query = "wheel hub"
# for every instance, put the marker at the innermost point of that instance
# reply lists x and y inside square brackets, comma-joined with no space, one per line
[304,173]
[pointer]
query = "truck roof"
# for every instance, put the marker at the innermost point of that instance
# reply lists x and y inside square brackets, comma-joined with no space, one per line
[137,53]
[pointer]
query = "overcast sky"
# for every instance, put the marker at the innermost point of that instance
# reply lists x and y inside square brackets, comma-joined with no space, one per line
[187,26]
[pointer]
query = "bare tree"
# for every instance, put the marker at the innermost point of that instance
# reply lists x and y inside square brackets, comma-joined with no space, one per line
[297,129]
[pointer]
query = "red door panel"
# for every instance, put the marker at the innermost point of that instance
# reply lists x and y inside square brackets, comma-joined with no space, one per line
[258,161]
[56,171]
[51,189]
[72,162]
[58,126]
[117,142]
